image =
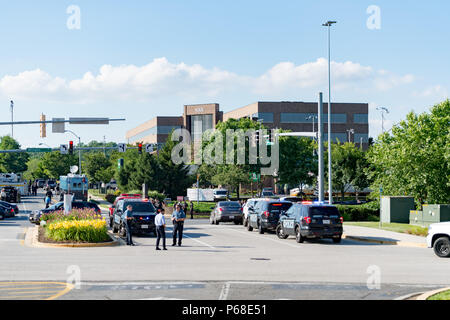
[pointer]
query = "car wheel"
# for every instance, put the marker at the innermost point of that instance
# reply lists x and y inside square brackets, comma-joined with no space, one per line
[442,247]
[111,223]
[249,227]
[237,222]
[260,229]
[2,217]
[280,233]
[217,222]
[114,228]
[298,236]
[337,240]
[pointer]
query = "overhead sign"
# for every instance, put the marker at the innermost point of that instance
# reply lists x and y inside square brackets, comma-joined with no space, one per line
[64,149]
[122,147]
[149,148]
[88,120]
[58,127]
[39,150]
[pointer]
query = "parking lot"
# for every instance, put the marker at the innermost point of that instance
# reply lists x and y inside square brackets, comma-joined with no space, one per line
[222,261]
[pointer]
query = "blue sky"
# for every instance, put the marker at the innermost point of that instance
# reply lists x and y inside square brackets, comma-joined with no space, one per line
[160,55]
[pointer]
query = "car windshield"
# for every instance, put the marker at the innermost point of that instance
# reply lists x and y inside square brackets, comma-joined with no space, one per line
[140,207]
[320,212]
[229,204]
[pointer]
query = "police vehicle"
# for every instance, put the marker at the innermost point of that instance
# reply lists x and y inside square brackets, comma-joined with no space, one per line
[308,220]
[266,214]
[144,214]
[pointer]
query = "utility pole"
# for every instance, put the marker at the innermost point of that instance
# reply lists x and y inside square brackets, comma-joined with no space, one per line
[383,111]
[328,24]
[350,131]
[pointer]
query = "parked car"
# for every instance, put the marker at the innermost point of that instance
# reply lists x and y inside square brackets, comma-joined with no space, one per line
[111,185]
[10,205]
[12,195]
[226,211]
[308,220]
[3,213]
[40,183]
[113,206]
[35,216]
[438,238]
[266,214]
[7,209]
[245,209]
[51,184]
[144,214]
[220,194]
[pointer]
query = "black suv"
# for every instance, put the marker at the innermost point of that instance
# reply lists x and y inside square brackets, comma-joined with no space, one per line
[306,221]
[266,214]
[144,214]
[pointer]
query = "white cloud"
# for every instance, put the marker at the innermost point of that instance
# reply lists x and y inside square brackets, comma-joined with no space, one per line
[436,91]
[162,78]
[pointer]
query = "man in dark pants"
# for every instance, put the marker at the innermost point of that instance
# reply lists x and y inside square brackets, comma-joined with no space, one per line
[191,207]
[160,223]
[127,219]
[178,217]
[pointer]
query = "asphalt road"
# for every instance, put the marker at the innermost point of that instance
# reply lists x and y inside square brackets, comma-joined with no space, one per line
[215,262]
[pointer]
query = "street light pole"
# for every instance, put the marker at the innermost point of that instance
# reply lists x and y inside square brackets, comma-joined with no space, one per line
[328,24]
[79,148]
[350,131]
[383,110]
[12,119]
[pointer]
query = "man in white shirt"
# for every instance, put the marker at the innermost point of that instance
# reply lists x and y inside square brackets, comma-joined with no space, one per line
[160,223]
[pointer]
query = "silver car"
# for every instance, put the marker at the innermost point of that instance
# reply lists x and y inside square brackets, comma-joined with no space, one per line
[227,211]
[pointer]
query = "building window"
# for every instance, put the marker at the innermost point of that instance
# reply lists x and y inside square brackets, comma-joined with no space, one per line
[361,118]
[199,124]
[304,118]
[363,136]
[266,117]
[342,137]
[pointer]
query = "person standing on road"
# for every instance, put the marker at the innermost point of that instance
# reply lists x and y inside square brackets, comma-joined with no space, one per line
[48,201]
[178,217]
[127,220]
[191,209]
[160,223]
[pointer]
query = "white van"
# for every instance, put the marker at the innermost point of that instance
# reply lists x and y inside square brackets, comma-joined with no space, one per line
[220,194]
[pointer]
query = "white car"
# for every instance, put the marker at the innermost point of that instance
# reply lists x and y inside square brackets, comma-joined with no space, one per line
[438,238]
[249,204]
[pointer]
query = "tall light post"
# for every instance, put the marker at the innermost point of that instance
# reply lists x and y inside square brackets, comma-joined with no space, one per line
[350,131]
[328,24]
[12,119]
[79,148]
[312,117]
[383,111]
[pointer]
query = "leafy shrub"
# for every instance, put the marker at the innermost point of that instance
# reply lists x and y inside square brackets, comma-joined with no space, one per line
[78,231]
[358,213]
[74,215]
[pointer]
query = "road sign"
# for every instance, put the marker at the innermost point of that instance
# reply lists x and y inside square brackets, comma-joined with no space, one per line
[39,150]
[122,147]
[149,148]
[64,149]
[58,127]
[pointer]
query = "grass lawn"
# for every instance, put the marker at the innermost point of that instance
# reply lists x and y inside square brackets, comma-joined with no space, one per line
[441,296]
[395,227]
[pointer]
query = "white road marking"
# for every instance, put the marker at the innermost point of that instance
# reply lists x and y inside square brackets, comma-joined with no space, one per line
[265,237]
[201,242]
[224,292]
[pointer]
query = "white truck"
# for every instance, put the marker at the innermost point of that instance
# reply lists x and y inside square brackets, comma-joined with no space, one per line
[204,195]
[438,238]
[13,180]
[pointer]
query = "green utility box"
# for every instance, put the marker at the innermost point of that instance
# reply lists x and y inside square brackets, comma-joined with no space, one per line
[416,218]
[435,213]
[396,209]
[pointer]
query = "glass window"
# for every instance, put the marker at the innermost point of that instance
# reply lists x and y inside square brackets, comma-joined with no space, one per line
[307,118]
[361,118]
[266,117]
[363,136]
[199,124]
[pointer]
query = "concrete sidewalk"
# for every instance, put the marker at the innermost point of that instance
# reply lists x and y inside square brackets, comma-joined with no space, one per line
[383,237]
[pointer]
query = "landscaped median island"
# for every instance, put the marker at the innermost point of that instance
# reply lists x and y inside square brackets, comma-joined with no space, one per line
[395,227]
[441,296]
[79,226]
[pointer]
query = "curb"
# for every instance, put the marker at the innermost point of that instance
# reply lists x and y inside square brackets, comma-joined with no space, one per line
[386,242]
[428,294]
[31,240]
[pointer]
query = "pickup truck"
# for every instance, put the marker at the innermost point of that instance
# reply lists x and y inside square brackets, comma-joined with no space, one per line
[439,239]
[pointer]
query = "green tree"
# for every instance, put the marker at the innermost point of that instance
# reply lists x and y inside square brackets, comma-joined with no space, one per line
[97,167]
[55,164]
[414,159]
[146,171]
[12,162]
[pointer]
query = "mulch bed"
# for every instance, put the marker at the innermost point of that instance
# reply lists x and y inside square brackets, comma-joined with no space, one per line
[42,238]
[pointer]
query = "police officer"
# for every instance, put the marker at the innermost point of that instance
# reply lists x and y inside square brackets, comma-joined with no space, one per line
[127,220]
[160,223]
[178,217]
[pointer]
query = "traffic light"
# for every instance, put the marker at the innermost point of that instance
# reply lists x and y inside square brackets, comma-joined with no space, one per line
[43,127]
[257,137]
[140,148]
[120,163]
[70,147]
